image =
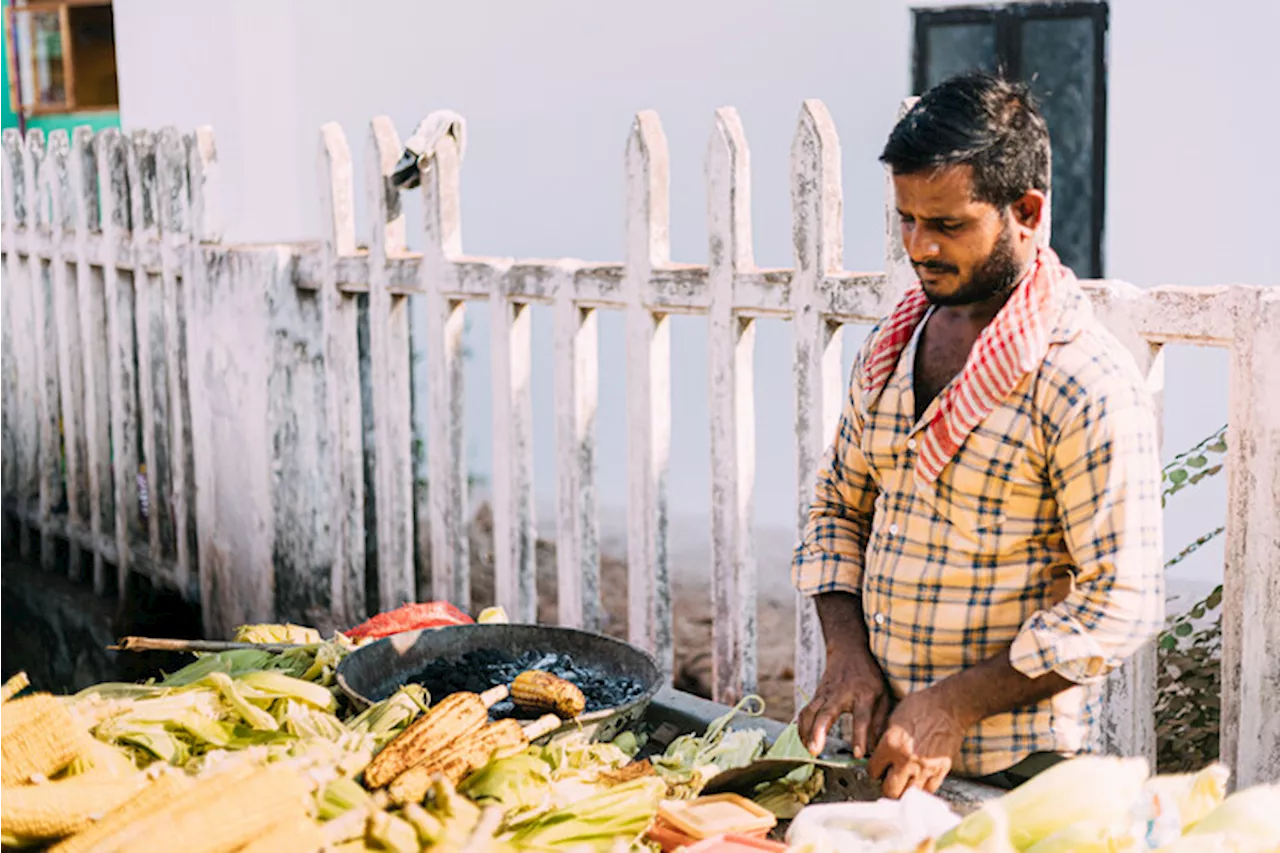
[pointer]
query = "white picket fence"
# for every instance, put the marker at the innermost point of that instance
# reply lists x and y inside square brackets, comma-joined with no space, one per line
[133,335]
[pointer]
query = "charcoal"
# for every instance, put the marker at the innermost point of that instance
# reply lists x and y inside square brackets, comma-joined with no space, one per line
[477,671]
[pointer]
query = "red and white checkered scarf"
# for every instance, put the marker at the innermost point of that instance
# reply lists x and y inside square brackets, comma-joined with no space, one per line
[1012,345]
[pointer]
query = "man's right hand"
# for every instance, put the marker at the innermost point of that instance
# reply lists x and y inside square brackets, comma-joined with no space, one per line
[851,683]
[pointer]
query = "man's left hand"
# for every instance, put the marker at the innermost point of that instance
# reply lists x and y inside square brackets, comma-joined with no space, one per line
[918,746]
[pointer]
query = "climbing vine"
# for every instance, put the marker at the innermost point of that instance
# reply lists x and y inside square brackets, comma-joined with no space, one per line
[1188,699]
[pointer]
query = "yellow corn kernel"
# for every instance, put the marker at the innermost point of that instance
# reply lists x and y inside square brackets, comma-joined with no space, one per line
[40,737]
[219,818]
[456,716]
[158,794]
[542,691]
[61,808]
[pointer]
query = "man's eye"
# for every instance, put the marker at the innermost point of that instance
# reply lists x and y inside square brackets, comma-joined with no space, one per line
[948,227]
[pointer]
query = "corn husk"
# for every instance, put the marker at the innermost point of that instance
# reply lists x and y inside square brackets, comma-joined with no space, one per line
[286,633]
[1087,788]
[595,823]
[1248,818]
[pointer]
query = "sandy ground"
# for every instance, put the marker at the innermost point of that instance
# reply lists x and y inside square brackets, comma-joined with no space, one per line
[692,616]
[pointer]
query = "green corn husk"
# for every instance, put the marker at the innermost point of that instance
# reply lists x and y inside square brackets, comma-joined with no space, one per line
[306,721]
[341,796]
[392,832]
[231,662]
[385,719]
[278,685]
[595,823]
[519,783]
[253,715]
[452,817]
[1250,817]
[1088,788]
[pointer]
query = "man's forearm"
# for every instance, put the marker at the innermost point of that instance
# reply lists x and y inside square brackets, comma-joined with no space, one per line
[843,627]
[994,687]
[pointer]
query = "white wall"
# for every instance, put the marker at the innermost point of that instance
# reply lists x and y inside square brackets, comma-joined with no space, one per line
[549,89]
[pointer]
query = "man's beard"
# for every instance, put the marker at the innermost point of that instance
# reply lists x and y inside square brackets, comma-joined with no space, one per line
[994,278]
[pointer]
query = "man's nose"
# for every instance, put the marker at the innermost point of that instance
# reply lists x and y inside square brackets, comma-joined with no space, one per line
[920,245]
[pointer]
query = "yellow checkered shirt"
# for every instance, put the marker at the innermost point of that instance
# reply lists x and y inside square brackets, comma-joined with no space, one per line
[1041,536]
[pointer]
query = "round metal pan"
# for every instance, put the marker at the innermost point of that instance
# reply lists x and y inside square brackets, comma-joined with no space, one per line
[373,672]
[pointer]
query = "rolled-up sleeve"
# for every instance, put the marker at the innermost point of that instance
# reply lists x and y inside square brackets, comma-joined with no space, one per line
[1104,468]
[832,551]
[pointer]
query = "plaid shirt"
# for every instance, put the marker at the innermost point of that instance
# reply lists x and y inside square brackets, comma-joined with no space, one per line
[1042,535]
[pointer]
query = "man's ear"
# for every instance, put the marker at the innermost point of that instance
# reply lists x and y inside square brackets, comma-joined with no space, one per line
[1029,210]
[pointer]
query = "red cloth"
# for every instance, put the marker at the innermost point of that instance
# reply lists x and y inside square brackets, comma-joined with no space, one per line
[409,617]
[1012,345]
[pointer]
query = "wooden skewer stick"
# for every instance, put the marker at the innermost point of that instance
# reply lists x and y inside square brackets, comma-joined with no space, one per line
[151,644]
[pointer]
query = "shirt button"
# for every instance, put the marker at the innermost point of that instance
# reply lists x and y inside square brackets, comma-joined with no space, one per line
[893,530]
[911,444]
[879,618]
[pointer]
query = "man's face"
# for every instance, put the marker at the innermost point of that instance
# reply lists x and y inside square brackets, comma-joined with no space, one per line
[965,251]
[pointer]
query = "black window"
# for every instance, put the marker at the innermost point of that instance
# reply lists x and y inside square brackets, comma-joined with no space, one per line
[1059,49]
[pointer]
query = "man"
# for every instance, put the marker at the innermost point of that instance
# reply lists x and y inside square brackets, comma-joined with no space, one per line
[984,545]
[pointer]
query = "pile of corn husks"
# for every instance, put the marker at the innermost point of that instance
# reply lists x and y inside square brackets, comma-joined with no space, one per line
[250,712]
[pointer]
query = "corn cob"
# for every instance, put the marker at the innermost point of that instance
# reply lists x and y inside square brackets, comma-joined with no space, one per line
[58,809]
[497,740]
[454,717]
[165,789]
[215,818]
[14,686]
[40,737]
[296,834]
[542,691]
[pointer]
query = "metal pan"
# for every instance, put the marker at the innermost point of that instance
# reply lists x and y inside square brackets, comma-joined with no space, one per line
[373,672]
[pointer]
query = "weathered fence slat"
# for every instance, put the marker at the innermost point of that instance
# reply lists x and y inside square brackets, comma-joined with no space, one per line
[339,316]
[446,453]
[819,248]
[151,366]
[514,531]
[731,388]
[9,346]
[577,521]
[38,172]
[1250,738]
[93,331]
[172,219]
[66,339]
[21,414]
[648,392]
[118,293]
[389,365]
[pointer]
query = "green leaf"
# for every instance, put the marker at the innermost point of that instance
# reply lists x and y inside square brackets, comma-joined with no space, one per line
[1178,476]
[1197,462]
[1215,598]
[1219,446]
[1182,629]
[1197,612]
[1168,642]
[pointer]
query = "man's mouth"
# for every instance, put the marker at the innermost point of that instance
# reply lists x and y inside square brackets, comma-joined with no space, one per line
[931,272]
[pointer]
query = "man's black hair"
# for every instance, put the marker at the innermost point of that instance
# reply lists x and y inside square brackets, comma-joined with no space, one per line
[985,122]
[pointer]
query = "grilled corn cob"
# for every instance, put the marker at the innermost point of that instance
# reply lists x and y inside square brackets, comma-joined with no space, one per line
[542,691]
[40,737]
[217,818]
[500,739]
[58,809]
[165,789]
[454,717]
